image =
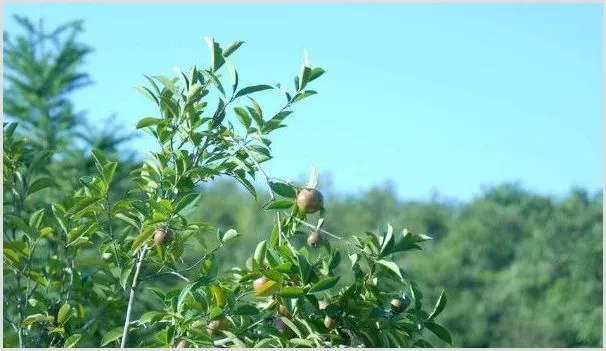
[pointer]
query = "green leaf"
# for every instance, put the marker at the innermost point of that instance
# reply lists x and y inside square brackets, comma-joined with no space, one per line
[183,295]
[291,325]
[392,266]
[37,277]
[40,159]
[149,317]
[99,157]
[35,318]
[416,294]
[125,274]
[440,304]
[39,184]
[301,342]
[304,77]
[10,129]
[82,205]
[324,284]
[215,313]
[243,117]
[63,314]
[280,204]
[141,238]
[245,310]
[228,235]
[440,332]
[248,185]
[273,275]
[267,342]
[303,95]
[260,251]
[315,73]
[283,189]
[252,89]
[59,212]
[215,81]
[189,199]
[291,292]
[388,242]
[112,335]
[304,268]
[148,121]
[231,48]
[36,219]
[148,93]
[216,54]
[108,172]
[167,82]
[72,341]
[128,220]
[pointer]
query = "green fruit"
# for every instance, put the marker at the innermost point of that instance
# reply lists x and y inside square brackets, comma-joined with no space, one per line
[314,239]
[310,200]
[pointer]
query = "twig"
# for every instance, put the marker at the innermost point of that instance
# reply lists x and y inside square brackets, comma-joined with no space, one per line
[178,273]
[311,226]
[111,231]
[131,299]
[265,177]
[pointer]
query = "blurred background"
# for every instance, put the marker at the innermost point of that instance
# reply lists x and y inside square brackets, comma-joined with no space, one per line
[479,125]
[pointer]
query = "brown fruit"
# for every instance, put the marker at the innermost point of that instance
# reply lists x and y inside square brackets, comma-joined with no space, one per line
[314,239]
[258,283]
[215,326]
[400,304]
[182,344]
[310,200]
[162,236]
[329,322]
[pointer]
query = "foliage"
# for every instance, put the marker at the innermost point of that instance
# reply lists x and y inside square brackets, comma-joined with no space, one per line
[102,249]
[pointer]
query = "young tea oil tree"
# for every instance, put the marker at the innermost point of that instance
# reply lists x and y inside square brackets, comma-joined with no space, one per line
[276,299]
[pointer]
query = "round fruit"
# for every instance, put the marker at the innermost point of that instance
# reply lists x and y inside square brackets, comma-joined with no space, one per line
[310,200]
[329,322]
[314,239]
[322,304]
[258,283]
[400,304]
[215,326]
[162,236]
[182,344]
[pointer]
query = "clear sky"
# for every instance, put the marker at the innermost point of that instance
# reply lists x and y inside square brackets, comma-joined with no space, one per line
[432,96]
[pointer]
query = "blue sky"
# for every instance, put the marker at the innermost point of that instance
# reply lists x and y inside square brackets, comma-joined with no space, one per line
[432,96]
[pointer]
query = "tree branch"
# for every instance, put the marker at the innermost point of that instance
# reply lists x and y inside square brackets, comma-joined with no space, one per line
[131,299]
